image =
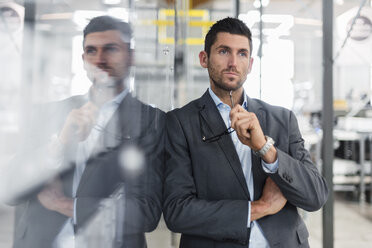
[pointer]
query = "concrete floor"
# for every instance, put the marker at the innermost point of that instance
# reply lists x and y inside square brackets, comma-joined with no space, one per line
[353,226]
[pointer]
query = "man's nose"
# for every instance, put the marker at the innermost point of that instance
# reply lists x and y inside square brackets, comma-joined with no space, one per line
[232,60]
[100,57]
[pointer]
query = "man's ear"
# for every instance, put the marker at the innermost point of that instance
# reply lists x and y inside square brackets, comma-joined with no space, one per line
[203,58]
[131,57]
[250,65]
[84,63]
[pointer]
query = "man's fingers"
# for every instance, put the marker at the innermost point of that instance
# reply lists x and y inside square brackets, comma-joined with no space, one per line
[235,117]
[89,109]
[85,117]
[237,108]
[242,123]
[89,106]
[242,127]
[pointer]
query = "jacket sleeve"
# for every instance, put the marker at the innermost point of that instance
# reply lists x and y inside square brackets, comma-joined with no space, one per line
[297,176]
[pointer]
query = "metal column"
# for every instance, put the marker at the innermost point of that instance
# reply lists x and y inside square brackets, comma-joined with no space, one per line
[28,54]
[327,120]
[236,8]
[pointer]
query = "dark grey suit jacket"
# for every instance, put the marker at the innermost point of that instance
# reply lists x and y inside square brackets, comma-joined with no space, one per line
[133,124]
[205,193]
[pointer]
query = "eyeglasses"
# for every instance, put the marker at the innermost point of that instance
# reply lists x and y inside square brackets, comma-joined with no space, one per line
[206,139]
[218,136]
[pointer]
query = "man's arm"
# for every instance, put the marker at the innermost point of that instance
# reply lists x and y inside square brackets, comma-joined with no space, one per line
[271,201]
[297,177]
[53,198]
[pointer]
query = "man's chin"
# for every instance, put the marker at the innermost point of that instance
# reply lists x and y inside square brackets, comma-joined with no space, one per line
[230,86]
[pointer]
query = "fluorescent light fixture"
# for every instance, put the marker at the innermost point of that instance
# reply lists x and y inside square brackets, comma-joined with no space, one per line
[56,16]
[82,17]
[111,2]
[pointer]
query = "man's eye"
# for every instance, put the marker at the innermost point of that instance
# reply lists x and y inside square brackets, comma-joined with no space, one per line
[111,49]
[243,54]
[90,51]
[223,51]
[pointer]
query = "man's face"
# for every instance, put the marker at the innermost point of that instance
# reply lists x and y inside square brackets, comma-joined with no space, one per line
[229,61]
[106,57]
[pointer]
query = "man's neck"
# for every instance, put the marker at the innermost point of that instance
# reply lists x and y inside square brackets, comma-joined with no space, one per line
[224,95]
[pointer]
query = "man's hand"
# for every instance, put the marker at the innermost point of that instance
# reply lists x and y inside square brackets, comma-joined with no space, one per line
[271,201]
[249,131]
[53,198]
[78,124]
[247,127]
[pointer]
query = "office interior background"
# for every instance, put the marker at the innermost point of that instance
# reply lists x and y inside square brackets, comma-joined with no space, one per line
[40,61]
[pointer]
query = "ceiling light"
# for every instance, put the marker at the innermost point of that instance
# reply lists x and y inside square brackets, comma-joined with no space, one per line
[111,2]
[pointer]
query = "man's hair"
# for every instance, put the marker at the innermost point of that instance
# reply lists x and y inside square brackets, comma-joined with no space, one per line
[227,25]
[105,23]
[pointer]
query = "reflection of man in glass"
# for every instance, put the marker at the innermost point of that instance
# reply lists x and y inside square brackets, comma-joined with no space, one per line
[99,144]
[226,183]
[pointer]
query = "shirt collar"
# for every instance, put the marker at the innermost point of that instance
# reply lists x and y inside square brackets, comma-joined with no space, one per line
[218,101]
[119,98]
[116,100]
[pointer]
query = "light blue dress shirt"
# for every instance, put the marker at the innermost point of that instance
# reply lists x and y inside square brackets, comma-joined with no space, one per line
[257,237]
[85,149]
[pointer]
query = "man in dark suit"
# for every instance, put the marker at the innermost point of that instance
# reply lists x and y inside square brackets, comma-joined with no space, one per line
[236,167]
[101,151]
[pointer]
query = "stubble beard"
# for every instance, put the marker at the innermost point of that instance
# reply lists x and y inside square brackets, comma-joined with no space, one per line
[218,81]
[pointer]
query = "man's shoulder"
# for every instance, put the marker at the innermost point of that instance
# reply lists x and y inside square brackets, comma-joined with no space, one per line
[257,104]
[190,108]
[145,107]
[142,116]
[195,105]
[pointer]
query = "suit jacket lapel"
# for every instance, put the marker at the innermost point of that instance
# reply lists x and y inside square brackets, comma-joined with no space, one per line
[216,125]
[123,124]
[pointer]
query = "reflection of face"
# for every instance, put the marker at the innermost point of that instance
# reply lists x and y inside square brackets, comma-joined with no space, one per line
[106,57]
[229,61]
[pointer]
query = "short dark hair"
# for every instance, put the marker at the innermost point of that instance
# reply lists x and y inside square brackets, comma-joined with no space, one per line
[105,23]
[228,25]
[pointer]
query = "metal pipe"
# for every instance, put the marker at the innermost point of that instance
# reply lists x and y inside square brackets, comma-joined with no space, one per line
[327,121]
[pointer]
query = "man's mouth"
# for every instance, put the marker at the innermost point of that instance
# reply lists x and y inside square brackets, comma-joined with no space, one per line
[105,69]
[230,73]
